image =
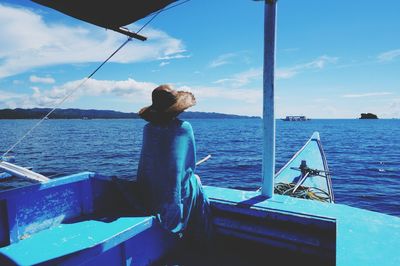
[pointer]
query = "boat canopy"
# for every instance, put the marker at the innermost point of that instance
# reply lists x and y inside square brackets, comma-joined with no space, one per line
[107,14]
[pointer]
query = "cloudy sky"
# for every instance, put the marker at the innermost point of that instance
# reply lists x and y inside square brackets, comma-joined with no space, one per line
[335,59]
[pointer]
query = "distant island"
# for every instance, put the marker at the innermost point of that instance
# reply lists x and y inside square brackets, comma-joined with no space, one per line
[368,116]
[38,113]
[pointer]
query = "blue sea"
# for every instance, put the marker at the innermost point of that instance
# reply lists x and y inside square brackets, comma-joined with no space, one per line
[363,155]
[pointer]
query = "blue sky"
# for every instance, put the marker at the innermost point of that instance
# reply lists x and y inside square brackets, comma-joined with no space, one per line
[335,59]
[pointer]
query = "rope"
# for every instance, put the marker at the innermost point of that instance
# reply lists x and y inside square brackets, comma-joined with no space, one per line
[84,81]
[177,4]
[301,192]
[158,12]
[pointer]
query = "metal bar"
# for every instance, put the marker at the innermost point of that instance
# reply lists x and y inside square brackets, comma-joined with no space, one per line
[22,172]
[301,181]
[203,160]
[130,34]
[268,168]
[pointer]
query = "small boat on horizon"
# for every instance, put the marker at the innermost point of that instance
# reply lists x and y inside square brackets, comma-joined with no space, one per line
[295,118]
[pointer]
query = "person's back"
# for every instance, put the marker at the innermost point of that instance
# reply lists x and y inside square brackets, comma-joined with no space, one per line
[166,172]
[166,165]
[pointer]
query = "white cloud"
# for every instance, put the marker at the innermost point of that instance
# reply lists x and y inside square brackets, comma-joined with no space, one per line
[222,60]
[285,73]
[230,58]
[242,78]
[370,94]
[129,90]
[249,96]
[246,77]
[137,93]
[389,55]
[175,56]
[28,42]
[11,100]
[164,63]
[5,95]
[318,63]
[45,80]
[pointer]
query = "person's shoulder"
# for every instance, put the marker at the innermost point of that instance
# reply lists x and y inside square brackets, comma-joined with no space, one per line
[147,125]
[185,126]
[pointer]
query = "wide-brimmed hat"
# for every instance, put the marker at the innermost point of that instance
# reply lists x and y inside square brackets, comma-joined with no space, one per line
[167,103]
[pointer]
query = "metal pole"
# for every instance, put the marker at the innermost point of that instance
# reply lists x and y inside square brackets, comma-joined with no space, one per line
[268,168]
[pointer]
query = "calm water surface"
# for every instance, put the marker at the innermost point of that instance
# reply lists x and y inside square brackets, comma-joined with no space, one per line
[364,155]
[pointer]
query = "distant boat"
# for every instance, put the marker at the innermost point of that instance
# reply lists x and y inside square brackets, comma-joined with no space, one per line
[295,118]
[85,118]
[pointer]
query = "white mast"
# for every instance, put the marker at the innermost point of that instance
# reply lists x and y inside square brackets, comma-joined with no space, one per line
[268,168]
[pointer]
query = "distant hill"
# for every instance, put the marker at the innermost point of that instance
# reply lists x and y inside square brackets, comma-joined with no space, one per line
[37,113]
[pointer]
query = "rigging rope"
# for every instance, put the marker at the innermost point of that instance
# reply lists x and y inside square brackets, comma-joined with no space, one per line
[64,99]
[84,81]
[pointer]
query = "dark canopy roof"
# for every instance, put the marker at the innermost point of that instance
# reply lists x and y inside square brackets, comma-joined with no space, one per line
[108,14]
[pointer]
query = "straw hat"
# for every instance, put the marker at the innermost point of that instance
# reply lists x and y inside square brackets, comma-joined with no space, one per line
[166,104]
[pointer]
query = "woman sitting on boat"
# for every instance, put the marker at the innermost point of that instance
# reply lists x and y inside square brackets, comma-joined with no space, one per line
[166,172]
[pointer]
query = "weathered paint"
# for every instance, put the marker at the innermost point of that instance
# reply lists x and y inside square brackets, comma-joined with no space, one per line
[34,208]
[81,239]
[342,234]
[362,237]
[268,168]
[58,223]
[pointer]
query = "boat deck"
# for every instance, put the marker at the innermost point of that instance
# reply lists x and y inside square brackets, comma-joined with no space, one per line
[361,237]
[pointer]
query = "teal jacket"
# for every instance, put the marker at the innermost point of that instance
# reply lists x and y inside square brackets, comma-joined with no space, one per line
[166,175]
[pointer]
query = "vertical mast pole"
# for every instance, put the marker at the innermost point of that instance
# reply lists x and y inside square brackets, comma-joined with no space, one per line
[268,167]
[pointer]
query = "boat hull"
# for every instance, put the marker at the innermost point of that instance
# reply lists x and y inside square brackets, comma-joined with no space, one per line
[312,155]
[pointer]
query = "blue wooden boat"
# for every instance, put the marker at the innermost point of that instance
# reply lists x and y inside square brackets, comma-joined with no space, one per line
[306,174]
[90,219]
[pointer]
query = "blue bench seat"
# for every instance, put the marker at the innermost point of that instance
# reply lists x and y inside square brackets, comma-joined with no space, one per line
[74,243]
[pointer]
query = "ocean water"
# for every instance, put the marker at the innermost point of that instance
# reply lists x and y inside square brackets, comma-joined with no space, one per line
[363,155]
